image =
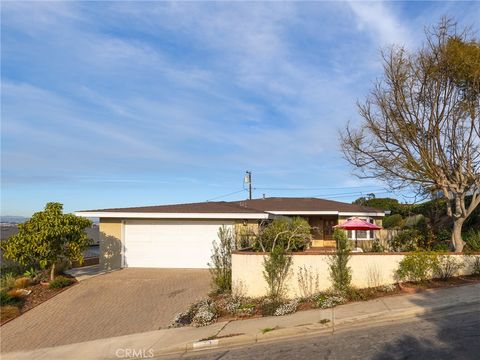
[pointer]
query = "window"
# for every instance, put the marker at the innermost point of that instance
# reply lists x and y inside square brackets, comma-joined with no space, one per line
[362,234]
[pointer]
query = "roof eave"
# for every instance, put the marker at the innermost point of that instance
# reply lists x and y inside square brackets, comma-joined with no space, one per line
[329,212]
[158,215]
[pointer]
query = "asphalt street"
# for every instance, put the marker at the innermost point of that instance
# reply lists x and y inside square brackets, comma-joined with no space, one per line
[435,336]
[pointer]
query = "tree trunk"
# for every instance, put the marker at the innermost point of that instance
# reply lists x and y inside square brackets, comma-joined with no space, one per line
[52,272]
[457,241]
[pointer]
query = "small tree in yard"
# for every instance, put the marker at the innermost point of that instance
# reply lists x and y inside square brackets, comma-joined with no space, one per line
[221,265]
[291,234]
[421,123]
[279,237]
[47,237]
[340,272]
[276,269]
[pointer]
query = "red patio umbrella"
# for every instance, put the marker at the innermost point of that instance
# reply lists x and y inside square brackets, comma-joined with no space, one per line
[357,224]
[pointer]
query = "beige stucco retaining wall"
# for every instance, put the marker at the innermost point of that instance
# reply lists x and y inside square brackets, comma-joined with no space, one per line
[368,270]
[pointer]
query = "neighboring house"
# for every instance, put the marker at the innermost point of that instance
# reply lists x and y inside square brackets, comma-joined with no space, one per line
[181,236]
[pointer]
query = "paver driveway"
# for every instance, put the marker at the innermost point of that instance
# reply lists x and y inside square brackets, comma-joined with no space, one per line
[122,302]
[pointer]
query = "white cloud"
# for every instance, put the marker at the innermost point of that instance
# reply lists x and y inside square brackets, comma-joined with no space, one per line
[380,19]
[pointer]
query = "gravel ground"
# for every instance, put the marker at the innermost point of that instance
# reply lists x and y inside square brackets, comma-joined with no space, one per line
[119,303]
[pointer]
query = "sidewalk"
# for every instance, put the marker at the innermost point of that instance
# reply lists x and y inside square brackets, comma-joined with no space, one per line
[168,341]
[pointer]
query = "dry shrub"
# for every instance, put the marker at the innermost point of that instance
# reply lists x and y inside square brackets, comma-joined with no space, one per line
[16,293]
[8,312]
[308,281]
[374,276]
[22,283]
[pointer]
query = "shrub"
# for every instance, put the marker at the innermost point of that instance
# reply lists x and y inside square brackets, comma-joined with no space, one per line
[60,282]
[30,273]
[18,294]
[276,270]
[377,247]
[441,247]
[354,294]
[443,235]
[7,299]
[340,272]
[418,266]
[8,312]
[183,318]
[446,267]
[268,306]
[374,276]
[472,240]
[13,268]
[245,310]
[308,282]
[7,281]
[22,282]
[474,263]
[205,314]
[288,308]
[221,266]
[407,240]
[232,306]
[326,300]
[201,313]
[393,221]
[291,234]
[388,288]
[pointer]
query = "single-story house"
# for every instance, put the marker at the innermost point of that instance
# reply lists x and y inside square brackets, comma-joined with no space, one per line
[181,235]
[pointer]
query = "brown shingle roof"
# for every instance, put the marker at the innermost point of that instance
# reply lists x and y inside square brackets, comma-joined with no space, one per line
[302,204]
[201,207]
[249,206]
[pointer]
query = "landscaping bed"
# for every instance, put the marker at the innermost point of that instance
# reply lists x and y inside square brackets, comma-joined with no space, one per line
[24,294]
[235,307]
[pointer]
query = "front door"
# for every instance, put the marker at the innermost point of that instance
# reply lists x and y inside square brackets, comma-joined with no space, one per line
[328,225]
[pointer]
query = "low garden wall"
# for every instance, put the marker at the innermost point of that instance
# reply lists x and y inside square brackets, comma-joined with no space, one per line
[368,270]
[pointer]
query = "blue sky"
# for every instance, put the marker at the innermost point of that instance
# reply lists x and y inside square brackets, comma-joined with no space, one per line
[112,104]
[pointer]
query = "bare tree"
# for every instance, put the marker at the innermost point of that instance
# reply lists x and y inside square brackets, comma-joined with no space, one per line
[421,124]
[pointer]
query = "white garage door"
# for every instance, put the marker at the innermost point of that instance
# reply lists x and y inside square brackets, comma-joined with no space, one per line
[169,244]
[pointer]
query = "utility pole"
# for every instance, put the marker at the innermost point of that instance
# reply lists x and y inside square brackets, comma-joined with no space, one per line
[248,180]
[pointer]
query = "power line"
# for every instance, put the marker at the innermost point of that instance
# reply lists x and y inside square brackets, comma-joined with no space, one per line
[225,195]
[349,195]
[373,187]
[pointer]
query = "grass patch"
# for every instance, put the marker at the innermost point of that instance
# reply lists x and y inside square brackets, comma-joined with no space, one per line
[61,282]
[215,337]
[268,329]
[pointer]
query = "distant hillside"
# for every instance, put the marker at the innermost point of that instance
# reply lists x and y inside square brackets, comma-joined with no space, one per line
[13,219]
[7,230]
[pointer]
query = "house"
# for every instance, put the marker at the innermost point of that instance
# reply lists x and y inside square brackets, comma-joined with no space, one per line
[181,235]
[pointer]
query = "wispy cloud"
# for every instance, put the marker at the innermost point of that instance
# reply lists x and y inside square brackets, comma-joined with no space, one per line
[165,92]
[380,20]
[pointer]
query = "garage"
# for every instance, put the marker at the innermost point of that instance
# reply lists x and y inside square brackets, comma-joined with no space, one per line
[167,236]
[170,243]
